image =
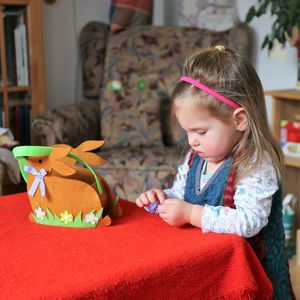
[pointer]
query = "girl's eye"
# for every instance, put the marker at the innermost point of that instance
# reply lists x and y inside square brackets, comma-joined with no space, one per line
[201,132]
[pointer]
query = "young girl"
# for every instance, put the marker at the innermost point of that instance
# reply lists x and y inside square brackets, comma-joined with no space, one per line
[230,179]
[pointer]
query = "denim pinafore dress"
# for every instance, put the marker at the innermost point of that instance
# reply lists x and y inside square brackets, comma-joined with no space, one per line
[275,260]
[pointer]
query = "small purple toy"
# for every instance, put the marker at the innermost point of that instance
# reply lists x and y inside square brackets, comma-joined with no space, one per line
[152,208]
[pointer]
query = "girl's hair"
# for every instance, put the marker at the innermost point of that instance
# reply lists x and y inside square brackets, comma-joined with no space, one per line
[232,76]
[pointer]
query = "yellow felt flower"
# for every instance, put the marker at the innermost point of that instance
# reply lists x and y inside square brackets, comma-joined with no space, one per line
[66,217]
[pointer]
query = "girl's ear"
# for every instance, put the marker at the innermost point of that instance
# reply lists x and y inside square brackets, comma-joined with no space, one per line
[240,119]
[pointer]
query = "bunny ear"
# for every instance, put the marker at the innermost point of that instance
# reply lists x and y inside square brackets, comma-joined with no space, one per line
[62,168]
[89,145]
[59,152]
[92,158]
[69,161]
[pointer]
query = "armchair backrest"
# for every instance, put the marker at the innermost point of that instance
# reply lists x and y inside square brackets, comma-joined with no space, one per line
[141,66]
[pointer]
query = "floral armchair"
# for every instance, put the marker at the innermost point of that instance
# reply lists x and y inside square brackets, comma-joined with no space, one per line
[129,77]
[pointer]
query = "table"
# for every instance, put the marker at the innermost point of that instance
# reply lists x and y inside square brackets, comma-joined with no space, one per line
[138,257]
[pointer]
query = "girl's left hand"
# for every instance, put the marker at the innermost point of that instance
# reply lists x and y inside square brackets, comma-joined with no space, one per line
[175,212]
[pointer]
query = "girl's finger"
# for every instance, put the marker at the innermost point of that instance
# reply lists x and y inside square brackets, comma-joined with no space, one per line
[139,202]
[152,197]
[161,196]
[144,199]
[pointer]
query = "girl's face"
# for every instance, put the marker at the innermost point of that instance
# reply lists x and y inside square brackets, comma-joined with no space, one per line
[211,138]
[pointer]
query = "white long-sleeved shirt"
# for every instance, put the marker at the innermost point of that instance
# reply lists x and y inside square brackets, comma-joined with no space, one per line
[252,198]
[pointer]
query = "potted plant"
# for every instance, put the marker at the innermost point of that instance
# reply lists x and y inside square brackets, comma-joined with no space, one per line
[286,24]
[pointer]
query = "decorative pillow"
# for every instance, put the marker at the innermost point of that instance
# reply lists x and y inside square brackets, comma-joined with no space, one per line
[127,13]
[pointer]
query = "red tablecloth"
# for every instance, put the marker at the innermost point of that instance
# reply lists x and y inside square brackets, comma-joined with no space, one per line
[138,257]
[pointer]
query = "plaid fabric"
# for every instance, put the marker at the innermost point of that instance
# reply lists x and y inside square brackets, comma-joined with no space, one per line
[229,190]
[128,13]
[256,242]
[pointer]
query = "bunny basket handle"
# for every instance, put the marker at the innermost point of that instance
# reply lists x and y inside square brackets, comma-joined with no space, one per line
[21,152]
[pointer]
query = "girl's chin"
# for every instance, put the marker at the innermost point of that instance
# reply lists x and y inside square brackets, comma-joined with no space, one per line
[208,158]
[203,155]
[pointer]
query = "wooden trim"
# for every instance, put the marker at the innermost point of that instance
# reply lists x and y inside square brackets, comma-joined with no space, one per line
[36,56]
[291,94]
[4,71]
[15,2]
[15,89]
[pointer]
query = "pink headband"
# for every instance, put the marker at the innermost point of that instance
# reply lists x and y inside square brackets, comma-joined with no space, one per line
[209,91]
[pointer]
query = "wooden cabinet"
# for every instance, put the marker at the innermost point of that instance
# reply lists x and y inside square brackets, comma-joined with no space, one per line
[22,83]
[286,106]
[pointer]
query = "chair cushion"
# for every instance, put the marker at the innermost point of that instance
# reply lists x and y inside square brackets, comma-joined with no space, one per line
[131,171]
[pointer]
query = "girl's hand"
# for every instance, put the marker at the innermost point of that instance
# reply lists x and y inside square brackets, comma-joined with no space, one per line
[175,212]
[150,196]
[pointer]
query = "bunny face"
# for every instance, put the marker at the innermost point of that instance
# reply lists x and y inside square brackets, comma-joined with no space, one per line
[54,161]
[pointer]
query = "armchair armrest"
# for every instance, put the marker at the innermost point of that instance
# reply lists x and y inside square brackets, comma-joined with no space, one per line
[69,124]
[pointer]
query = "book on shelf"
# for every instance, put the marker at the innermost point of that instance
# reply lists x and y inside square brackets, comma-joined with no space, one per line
[21,55]
[15,22]
[20,123]
[10,23]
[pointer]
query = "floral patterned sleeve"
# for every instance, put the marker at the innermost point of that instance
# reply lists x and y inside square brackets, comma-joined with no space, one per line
[253,200]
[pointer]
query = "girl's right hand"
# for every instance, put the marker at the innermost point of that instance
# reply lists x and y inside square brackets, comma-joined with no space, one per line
[150,196]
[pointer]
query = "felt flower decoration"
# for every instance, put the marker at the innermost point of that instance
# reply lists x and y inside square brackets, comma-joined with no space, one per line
[39,213]
[66,217]
[91,218]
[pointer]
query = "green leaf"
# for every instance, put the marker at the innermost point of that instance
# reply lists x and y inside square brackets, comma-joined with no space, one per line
[250,15]
[78,218]
[116,200]
[287,15]
[50,216]
[265,42]
[99,213]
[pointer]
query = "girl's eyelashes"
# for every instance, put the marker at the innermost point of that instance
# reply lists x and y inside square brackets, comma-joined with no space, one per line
[199,132]
[202,132]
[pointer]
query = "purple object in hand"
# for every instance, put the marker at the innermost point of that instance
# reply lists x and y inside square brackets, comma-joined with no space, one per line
[152,208]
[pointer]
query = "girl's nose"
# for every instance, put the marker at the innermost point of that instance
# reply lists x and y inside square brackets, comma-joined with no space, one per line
[192,139]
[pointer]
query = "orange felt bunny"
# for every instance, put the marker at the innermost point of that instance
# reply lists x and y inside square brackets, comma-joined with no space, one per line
[63,189]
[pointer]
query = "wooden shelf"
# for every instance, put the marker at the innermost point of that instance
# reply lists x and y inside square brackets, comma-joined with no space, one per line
[11,89]
[290,94]
[292,162]
[22,90]
[286,106]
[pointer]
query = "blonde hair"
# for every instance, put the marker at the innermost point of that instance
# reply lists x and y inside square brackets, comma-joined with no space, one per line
[232,76]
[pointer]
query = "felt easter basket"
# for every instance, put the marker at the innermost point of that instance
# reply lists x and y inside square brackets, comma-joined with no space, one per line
[63,189]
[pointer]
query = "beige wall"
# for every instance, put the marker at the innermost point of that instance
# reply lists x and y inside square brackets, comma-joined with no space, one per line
[62,23]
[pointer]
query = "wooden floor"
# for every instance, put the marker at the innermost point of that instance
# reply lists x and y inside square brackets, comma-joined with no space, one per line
[295,277]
